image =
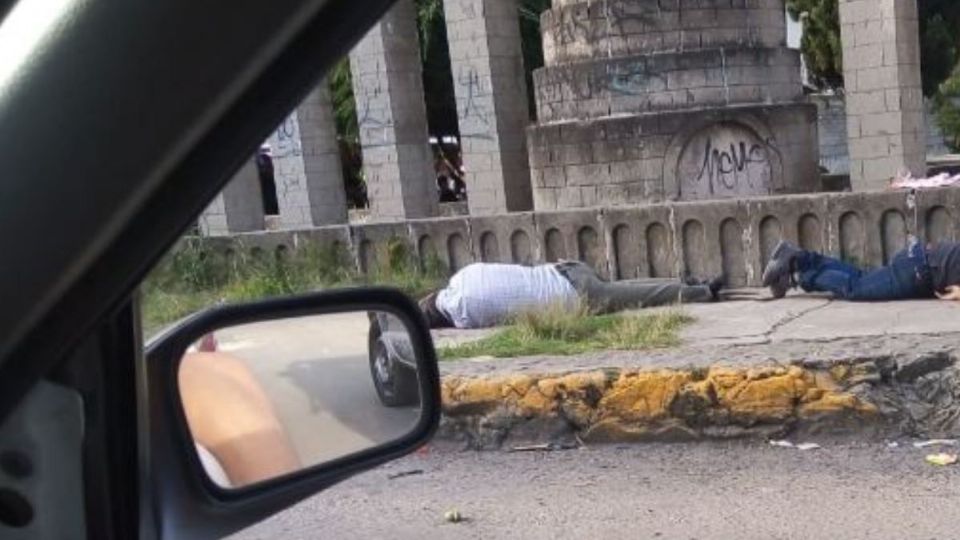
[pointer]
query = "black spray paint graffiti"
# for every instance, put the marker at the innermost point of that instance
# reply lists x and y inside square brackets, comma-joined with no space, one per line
[365,117]
[469,80]
[729,168]
[288,140]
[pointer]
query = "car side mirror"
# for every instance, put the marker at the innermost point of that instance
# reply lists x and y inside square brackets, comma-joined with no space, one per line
[252,407]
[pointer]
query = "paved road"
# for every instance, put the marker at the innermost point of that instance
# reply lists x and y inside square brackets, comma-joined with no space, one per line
[705,491]
[315,371]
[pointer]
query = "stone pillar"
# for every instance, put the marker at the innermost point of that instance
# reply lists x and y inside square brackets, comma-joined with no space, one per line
[306,164]
[881,71]
[392,118]
[487,65]
[238,208]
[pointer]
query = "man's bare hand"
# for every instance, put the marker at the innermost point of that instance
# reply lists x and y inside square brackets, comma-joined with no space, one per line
[952,293]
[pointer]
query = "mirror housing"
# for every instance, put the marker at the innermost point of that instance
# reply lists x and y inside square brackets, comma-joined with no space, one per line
[187,501]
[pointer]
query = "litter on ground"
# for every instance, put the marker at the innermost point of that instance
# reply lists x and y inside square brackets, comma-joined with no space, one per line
[799,446]
[941,459]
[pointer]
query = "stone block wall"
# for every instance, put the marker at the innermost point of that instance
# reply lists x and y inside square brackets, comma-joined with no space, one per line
[488,79]
[881,71]
[391,117]
[574,29]
[238,208]
[306,161]
[832,129]
[682,155]
[667,82]
[702,239]
[645,101]
[321,158]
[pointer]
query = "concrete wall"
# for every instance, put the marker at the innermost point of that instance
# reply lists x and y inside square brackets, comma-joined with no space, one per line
[306,164]
[238,208]
[832,128]
[683,155]
[392,118]
[667,82]
[575,30]
[881,73]
[488,78]
[699,238]
[645,101]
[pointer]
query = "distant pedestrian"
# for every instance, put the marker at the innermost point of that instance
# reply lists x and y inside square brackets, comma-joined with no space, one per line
[450,184]
[268,184]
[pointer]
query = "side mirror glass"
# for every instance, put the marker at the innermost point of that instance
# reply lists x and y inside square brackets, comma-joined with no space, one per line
[274,390]
[270,398]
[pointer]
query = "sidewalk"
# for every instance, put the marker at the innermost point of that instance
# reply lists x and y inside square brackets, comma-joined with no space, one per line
[745,368]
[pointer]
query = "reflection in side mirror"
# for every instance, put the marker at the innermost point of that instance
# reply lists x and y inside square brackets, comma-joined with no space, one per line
[270,398]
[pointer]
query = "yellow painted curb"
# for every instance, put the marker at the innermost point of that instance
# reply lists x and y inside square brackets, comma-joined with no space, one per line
[628,404]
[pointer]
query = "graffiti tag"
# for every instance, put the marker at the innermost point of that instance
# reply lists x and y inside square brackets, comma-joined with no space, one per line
[287,139]
[469,81]
[729,166]
[725,160]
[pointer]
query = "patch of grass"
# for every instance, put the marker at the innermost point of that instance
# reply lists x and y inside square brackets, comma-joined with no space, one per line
[404,271]
[557,322]
[160,308]
[194,276]
[558,331]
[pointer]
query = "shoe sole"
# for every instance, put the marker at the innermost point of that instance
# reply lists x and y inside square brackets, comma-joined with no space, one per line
[771,273]
[771,269]
[779,289]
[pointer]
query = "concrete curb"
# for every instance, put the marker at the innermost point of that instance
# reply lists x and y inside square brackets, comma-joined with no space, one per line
[866,396]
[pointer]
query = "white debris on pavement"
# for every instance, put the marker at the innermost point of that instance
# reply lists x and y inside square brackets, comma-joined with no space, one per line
[799,446]
[935,442]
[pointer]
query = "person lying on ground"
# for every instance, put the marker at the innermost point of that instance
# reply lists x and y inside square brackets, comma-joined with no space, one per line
[487,294]
[916,272]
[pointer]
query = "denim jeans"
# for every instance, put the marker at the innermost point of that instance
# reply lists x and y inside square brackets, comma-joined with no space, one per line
[611,296]
[907,276]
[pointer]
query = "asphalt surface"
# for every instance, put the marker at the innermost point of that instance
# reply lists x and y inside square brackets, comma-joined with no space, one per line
[731,490]
[315,371]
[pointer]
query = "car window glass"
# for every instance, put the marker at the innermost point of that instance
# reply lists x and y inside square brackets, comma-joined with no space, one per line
[626,222]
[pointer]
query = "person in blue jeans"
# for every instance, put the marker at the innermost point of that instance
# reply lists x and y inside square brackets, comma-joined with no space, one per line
[916,272]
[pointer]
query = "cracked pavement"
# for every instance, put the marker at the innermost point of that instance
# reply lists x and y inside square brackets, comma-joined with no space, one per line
[799,327]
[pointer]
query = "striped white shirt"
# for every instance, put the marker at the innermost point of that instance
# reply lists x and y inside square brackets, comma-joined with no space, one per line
[488,294]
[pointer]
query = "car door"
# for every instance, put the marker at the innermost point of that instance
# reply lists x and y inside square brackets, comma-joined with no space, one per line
[119,122]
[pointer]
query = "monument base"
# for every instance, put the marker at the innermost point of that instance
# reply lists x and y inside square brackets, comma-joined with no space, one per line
[699,154]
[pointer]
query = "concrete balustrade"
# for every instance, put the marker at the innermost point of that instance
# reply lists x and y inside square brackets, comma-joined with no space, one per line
[698,238]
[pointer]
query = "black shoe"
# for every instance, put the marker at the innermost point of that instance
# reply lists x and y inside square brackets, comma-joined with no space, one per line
[780,265]
[780,287]
[715,285]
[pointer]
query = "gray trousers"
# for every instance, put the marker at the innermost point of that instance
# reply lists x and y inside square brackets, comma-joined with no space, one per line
[610,296]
